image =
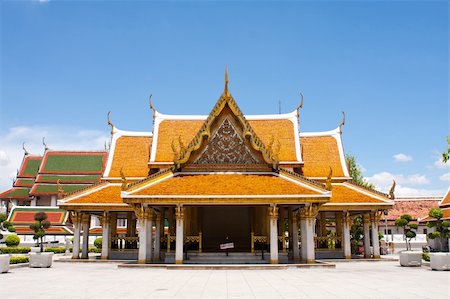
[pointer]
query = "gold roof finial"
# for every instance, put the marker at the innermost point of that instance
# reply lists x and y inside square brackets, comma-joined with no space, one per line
[60,189]
[24,149]
[110,123]
[342,122]
[45,145]
[124,180]
[226,81]
[328,185]
[391,191]
[151,104]
[300,106]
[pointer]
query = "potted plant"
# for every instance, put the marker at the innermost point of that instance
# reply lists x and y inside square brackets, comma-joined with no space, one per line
[408,258]
[5,258]
[40,259]
[439,260]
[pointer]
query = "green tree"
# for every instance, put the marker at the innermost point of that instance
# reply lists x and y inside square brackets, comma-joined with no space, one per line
[5,225]
[39,226]
[446,155]
[442,231]
[408,228]
[356,233]
[356,172]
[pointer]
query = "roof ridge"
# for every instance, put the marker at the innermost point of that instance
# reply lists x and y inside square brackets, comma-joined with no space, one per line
[150,177]
[351,182]
[91,186]
[303,178]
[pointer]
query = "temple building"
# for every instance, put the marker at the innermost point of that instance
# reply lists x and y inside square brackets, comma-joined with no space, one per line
[253,184]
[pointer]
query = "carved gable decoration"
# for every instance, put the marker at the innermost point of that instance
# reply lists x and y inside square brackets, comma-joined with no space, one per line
[226,147]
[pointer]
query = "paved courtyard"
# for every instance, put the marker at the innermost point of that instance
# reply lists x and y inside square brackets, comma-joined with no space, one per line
[105,280]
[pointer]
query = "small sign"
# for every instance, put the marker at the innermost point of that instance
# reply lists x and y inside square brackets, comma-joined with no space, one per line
[226,246]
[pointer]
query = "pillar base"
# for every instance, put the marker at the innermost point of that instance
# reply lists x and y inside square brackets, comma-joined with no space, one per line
[178,262]
[376,257]
[75,257]
[348,257]
[104,258]
[310,261]
[274,261]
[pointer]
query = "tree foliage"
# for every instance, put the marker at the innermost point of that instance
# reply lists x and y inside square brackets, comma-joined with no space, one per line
[442,231]
[446,155]
[356,172]
[39,226]
[5,225]
[356,233]
[408,228]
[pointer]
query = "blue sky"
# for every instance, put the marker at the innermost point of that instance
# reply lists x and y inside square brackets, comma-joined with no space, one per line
[385,63]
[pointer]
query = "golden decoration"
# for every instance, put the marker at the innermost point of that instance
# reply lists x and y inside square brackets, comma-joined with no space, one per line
[391,191]
[124,180]
[328,185]
[60,190]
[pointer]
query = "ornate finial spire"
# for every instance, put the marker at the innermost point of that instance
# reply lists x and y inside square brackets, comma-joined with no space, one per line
[60,190]
[342,122]
[24,149]
[226,81]
[110,123]
[391,191]
[45,145]
[300,106]
[151,103]
[328,185]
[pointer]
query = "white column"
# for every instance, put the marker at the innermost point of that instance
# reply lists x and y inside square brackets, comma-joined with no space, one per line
[273,215]
[33,202]
[366,226]
[53,201]
[346,235]
[295,249]
[375,241]
[145,230]
[179,240]
[307,221]
[149,230]
[86,219]
[158,237]
[105,235]
[76,219]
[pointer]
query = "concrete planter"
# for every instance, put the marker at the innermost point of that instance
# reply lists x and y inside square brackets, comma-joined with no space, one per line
[41,259]
[411,258]
[440,261]
[4,263]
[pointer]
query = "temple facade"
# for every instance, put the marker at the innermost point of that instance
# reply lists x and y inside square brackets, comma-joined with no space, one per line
[226,184]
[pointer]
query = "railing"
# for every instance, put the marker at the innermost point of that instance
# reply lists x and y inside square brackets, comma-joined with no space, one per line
[121,243]
[168,239]
[194,239]
[328,242]
[257,239]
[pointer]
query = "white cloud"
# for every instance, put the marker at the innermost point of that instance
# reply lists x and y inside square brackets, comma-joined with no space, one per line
[57,138]
[441,165]
[445,177]
[383,182]
[400,157]
[385,178]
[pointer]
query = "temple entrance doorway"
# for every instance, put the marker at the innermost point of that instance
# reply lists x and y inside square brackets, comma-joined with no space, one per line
[218,223]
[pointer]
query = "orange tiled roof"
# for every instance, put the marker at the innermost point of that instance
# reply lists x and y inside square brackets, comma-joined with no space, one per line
[132,153]
[446,200]
[103,194]
[225,184]
[416,208]
[280,129]
[319,153]
[445,217]
[344,193]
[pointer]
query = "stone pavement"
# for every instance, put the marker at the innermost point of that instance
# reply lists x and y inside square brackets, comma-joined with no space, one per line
[105,280]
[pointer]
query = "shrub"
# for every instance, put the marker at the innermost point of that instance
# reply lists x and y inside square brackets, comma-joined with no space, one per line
[98,243]
[426,256]
[442,228]
[11,229]
[55,249]
[95,250]
[5,225]
[408,228]
[11,250]
[18,259]
[12,240]
[39,226]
